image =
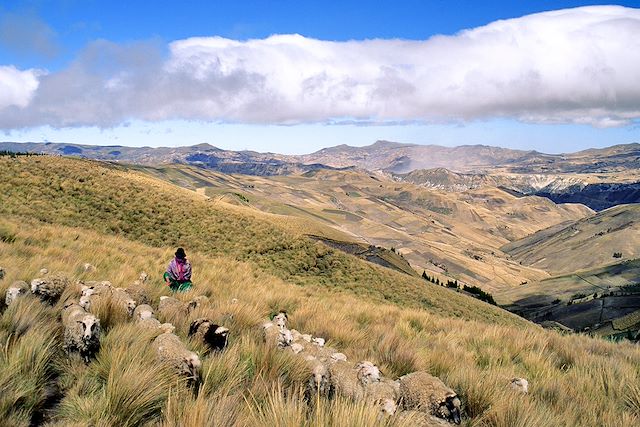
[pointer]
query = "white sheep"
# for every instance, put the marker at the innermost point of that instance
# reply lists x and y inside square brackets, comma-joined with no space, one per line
[318,341]
[172,351]
[88,268]
[345,382]
[339,357]
[138,294]
[368,373]
[518,384]
[281,337]
[14,291]
[142,312]
[124,300]
[81,331]
[43,271]
[50,288]
[280,320]
[424,392]
[143,277]
[170,307]
[93,292]
[384,394]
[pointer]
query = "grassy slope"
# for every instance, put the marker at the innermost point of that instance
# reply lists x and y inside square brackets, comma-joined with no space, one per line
[461,230]
[575,380]
[588,243]
[113,201]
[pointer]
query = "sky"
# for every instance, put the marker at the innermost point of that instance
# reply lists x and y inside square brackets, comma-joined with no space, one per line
[296,76]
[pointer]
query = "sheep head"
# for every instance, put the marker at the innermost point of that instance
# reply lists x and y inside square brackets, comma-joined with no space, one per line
[13,293]
[281,319]
[35,285]
[368,372]
[90,326]
[450,408]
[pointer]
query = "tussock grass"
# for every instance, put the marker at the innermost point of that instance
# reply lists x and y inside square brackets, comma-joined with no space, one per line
[29,360]
[125,386]
[574,380]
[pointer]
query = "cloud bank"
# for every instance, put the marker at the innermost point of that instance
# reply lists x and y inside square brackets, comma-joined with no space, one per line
[568,66]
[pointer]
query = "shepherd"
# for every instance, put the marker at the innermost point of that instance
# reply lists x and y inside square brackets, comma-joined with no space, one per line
[178,274]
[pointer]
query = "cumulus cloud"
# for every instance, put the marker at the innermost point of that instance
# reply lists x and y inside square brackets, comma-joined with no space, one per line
[568,66]
[17,87]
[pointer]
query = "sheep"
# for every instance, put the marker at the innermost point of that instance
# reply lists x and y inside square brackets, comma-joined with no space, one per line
[318,341]
[70,307]
[368,373]
[43,271]
[81,331]
[274,335]
[204,330]
[143,277]
[172,351]
[169,307]
[49,289]
[138,294]
[142,312]
[339,357]
[518,384]
[345,382]
[281,319]
[150,323]
[429,394]
[197,302]
[88,268]
[85,302]
[14,291]
[319,380]
[124,300]
[103,290]
[383,393]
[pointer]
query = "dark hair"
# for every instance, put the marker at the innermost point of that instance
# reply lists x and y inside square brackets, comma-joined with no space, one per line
[180,254]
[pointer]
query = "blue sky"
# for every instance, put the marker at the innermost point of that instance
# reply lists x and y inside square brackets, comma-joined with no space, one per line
[62,50]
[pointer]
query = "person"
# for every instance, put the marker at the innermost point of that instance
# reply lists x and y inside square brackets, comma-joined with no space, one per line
[178,274]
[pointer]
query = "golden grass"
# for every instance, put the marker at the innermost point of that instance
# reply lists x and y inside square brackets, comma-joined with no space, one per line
[574,380]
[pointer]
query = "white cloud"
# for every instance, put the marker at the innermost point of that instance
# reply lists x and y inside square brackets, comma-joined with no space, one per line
[17,87]
[568,66]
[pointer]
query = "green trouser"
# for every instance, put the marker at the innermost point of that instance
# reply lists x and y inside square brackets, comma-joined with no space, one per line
[177,286]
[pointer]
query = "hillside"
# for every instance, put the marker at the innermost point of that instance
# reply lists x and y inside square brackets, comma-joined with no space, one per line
[597,190]
[587,243]
[123,223]
[450,235]
[112,200]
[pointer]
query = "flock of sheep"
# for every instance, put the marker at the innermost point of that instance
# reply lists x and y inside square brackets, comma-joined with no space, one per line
[419,395]
[82,330]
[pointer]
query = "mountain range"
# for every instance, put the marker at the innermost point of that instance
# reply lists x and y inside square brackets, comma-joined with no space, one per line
[598,178]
